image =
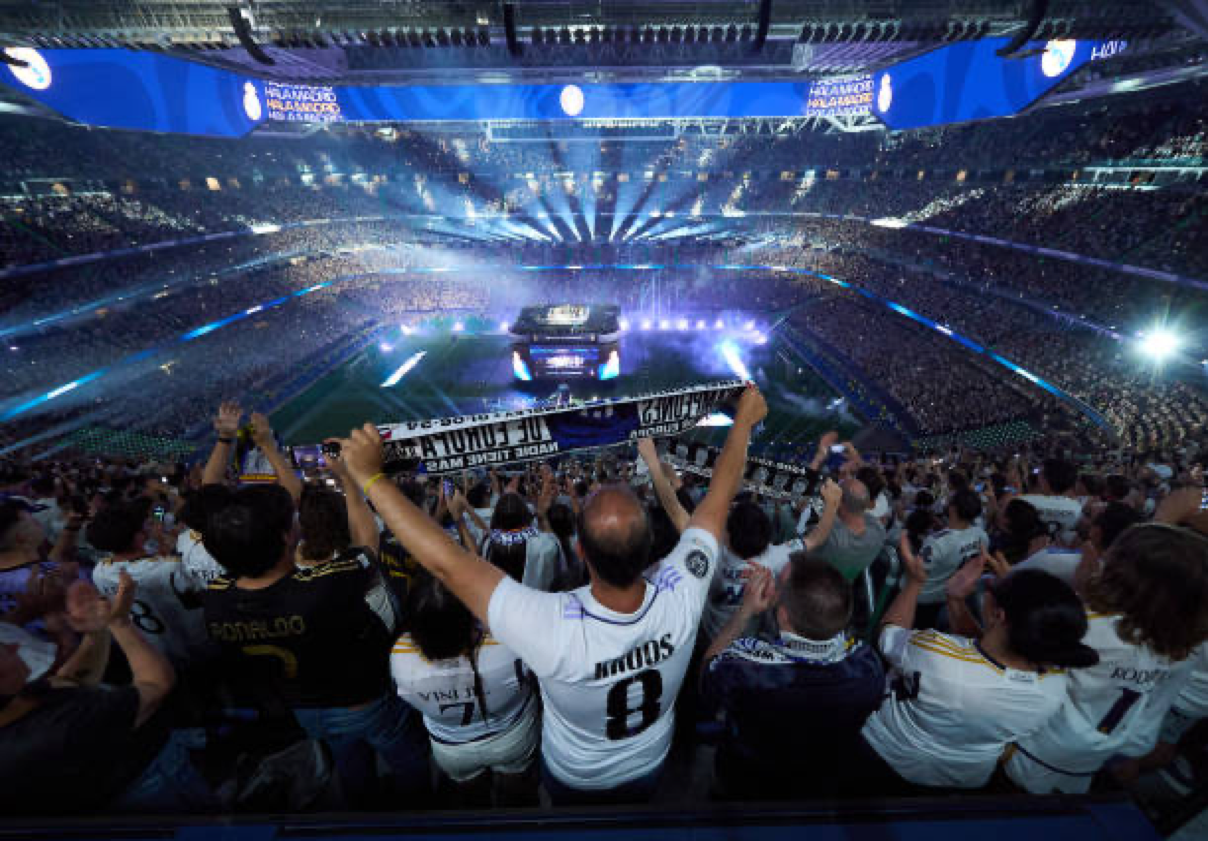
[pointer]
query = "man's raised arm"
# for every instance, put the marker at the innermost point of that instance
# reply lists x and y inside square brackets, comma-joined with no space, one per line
[711,514]
[471,579]
[226,424]
[662,487]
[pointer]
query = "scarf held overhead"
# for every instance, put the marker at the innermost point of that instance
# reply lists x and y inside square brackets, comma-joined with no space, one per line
[450,445]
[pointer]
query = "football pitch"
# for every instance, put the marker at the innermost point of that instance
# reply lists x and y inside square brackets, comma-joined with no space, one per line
[454,374]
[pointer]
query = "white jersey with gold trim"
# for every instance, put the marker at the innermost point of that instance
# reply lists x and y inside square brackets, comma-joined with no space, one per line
[443,690]
[1106,707]
[199,564]
[167,605]
[951,709]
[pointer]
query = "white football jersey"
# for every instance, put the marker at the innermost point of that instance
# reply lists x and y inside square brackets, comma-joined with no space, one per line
[951,710]
[167,605]
[943,553]
[198,563]
[729,583]
[1055,560]
[1192,701]
[609,680]
[443,690]
[1060,513]
[1106,707]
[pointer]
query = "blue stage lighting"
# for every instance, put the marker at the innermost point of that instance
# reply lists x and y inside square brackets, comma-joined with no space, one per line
[520,369]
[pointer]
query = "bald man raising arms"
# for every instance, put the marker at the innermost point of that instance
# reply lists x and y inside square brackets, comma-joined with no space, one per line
[610,656]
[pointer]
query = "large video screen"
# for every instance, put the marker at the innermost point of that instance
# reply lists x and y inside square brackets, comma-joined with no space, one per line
[122,88]
[970,81]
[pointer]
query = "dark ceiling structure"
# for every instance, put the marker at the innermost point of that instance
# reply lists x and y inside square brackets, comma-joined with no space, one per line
[490,41]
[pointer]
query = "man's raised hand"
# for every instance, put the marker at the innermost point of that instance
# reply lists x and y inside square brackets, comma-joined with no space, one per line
[752,408]
[226,422]
[361,453]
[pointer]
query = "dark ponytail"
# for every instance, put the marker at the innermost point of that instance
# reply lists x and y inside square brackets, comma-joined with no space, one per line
[1046,620]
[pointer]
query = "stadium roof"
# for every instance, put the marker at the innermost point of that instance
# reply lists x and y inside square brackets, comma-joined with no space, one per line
[427,41]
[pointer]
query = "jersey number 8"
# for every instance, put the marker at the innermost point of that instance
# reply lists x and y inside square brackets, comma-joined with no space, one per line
[147,622]
[650,683]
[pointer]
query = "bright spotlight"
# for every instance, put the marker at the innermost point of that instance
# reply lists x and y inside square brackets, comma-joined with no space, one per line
[682,324]
[760,339]
[700,325]
[646,324]
[503,326]
[729,352]
[403,369]
[385,347]
[1159,344]
[406,330]
[624,322]
[664,324]
[719,325]
[458,327]
[750,325]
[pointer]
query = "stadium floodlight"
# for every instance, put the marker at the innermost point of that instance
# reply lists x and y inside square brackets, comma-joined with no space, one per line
[1159,344]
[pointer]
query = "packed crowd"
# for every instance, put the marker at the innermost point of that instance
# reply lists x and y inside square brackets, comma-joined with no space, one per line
[580,632]
[1145,408]
[121,188]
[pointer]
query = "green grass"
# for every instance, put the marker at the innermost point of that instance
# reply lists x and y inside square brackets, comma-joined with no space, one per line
[459,375]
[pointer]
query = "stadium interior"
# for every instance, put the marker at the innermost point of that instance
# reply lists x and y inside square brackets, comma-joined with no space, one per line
[334,337]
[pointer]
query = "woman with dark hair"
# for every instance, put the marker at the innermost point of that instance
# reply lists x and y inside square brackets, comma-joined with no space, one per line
[572,572]
[514,543]
[475,695]
[1025,533]
[958,701]
[1147,609]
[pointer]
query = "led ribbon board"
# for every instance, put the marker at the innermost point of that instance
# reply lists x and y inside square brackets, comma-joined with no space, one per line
[120,88]
[137,90]
[969,81]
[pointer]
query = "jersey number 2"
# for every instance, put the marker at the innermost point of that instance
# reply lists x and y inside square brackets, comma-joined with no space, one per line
[650,682]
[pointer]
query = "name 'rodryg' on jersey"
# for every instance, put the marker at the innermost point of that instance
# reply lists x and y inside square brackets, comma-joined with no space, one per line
[609,680]
[443,690]
[1106,704]
[167,603]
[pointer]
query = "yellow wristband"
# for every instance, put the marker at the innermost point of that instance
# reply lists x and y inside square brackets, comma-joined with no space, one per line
[365,488]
